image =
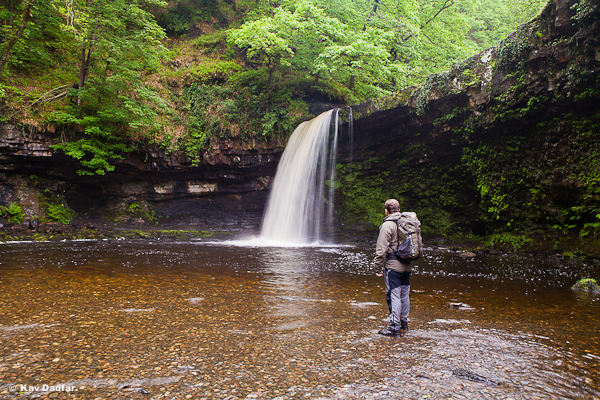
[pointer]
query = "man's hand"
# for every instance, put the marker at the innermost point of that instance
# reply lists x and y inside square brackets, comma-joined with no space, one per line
[378,274]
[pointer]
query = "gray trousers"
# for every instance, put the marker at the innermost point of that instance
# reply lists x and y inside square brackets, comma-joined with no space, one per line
[397,289]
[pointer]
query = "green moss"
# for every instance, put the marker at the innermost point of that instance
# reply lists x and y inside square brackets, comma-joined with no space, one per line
[587,285]
[431,191]
[164,234]
[144,211]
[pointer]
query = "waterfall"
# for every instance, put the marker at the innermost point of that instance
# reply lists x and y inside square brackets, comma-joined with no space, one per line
[332,164]
[351,134]
[296,208]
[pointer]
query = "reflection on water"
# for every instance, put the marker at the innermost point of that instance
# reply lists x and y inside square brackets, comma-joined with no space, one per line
[224,320]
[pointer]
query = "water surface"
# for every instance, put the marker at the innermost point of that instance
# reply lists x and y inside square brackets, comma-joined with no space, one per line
[201,319]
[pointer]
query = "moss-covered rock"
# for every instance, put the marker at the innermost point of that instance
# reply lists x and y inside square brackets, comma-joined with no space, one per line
[587,285]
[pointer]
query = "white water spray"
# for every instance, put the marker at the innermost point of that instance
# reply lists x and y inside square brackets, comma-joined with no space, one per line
[295,211]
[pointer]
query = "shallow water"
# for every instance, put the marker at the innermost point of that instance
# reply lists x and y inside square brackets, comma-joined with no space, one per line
[207,319]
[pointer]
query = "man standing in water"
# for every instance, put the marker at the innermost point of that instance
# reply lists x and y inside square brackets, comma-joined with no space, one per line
[396,273]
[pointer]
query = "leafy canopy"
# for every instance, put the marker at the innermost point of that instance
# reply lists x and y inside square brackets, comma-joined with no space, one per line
[123,43]
[383,44]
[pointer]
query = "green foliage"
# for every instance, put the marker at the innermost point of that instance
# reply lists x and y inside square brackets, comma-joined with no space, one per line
[13,213]
[99,63]
[216,70]
[353,42]
[587,284]
[55,208]
[489,183]
[423,94]
[492,21]
[144,211]
[96,149]
[115,105]
[182,16]
[516,241]
[59,213]
[545,178]
[32,35]
[246,106]
[513,53]
[585,10]
[363,199]
[212,42]
[591,227]
[584,281]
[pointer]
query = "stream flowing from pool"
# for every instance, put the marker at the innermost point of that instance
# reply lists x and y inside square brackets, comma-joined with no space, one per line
[221,319]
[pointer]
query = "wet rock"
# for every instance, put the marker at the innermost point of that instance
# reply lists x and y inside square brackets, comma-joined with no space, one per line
[461,306]
[467,254]
[466,374]
[450,321]
[587,285]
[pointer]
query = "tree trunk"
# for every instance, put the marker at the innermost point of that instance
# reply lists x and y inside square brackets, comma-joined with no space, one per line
[11,11]
[86,60]
[373,12]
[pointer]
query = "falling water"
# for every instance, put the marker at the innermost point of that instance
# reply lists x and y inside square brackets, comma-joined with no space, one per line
[351,132]
[332,164]
[295,211]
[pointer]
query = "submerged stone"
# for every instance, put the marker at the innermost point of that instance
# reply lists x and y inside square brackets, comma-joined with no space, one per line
[461,306]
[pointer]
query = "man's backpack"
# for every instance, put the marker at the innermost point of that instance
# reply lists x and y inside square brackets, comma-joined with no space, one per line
[410,245]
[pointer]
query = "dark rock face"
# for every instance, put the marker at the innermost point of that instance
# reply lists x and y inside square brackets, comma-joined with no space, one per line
[230,178]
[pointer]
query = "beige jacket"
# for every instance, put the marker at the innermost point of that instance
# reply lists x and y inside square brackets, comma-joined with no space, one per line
[387,242]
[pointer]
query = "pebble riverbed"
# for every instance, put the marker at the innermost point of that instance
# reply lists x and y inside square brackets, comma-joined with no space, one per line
[174,320]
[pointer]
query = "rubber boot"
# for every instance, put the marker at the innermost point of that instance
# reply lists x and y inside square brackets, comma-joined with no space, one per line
[404,325]
[390,331]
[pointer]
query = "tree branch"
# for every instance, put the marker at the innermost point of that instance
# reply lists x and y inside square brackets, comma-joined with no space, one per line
[62,91]
[447,4]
